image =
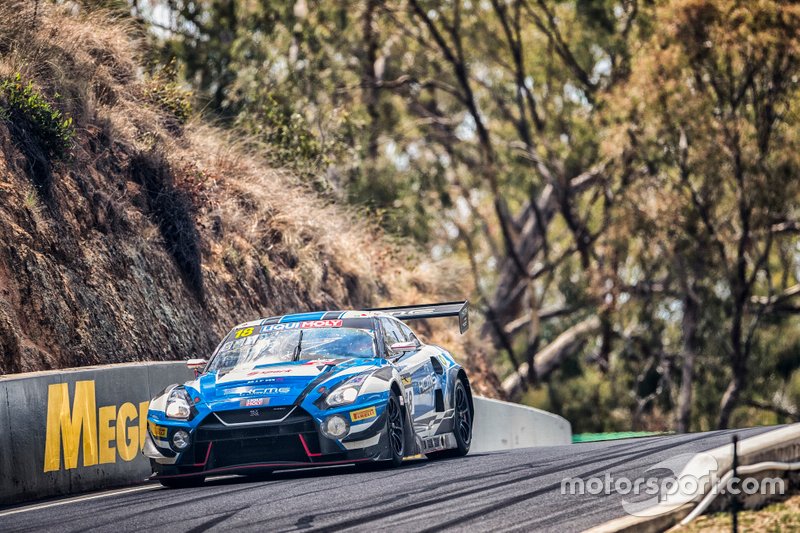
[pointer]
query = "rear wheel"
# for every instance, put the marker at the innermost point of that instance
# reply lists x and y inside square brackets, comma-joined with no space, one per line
[462,425]
[182,482]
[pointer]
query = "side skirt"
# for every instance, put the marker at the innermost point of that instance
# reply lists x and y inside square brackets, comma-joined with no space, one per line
[439,442]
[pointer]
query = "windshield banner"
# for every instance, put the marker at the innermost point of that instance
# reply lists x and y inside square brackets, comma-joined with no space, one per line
[302,325]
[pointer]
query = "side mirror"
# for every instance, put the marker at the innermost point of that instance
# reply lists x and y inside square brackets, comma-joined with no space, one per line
[402,347]
[196,364]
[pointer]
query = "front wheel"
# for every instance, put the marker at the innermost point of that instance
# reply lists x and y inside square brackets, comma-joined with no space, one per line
[395,429]
[182,482]
[462,426]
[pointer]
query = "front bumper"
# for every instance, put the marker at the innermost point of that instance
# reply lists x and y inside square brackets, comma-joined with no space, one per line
[291,442]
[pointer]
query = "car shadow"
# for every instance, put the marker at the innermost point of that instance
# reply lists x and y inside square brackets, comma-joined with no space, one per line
[311,472]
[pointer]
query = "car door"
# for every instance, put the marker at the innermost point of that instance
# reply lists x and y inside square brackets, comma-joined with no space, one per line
[417,372]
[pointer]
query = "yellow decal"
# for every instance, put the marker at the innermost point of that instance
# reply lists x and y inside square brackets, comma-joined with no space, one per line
[362,414]
[406,380]
[158,431]
[102,433]
[246,332]
[143,406]
[66,428]
[106,433]
[127,436]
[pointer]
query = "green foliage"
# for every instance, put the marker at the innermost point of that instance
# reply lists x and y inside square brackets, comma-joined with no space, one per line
[643,154]
[286,132]
[166,93]
[25,107]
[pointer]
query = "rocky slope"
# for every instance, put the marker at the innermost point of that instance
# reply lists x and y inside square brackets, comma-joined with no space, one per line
[152,237]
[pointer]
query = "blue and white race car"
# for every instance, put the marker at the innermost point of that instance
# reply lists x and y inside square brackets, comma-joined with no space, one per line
[314,389]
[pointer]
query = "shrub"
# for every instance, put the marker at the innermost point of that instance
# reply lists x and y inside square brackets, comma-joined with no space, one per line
[24,107]
[166,93]
[286,132]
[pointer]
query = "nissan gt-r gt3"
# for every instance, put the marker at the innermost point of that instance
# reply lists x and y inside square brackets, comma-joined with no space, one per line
[314,389]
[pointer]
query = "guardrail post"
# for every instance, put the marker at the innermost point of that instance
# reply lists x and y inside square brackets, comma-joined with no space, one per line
[734,497]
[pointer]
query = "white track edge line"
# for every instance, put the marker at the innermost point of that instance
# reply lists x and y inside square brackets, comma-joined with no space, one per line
[76,499]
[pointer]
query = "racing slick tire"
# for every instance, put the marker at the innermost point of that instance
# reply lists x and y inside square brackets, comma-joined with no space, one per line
[395,438]
[395,430]
[182,482]
[462,418]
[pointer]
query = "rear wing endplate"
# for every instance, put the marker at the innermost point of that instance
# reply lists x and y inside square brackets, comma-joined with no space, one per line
[417,312]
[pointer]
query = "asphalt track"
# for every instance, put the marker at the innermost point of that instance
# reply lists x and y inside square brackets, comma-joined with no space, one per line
[518,490]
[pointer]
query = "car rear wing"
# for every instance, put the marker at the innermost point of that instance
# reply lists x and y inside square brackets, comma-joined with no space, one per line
[418,312]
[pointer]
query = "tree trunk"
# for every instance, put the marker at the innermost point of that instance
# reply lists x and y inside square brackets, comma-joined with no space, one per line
[729,401]
[689,333]
[551,356]
[508,297]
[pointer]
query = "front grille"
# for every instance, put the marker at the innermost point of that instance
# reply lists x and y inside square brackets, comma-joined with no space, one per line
[258,450]
[255,415]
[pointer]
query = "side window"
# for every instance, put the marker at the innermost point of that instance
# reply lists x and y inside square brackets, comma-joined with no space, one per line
[391,333]
[408,335]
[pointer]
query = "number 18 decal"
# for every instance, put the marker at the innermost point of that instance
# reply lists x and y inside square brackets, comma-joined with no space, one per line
[246,332]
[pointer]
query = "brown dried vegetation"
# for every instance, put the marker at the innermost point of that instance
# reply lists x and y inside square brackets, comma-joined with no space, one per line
[157,236]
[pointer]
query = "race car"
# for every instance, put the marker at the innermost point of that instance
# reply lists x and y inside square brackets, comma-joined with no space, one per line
[314,389]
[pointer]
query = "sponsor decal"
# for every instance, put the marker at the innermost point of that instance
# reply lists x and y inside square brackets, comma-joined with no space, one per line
[305,324]
[406,380]
[266,372]
[357,380]
[250,340]
[102,433]
[256,391]
[267,390]
[424,310]
[331,362]
[158,431]
[254,402]
[362,414]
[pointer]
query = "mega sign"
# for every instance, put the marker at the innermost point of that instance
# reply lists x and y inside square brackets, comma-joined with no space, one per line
[102,433]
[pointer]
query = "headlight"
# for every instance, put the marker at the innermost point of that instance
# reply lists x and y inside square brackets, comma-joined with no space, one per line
[179,405]
[347,392]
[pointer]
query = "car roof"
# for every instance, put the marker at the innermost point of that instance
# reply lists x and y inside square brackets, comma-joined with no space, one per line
[316,315]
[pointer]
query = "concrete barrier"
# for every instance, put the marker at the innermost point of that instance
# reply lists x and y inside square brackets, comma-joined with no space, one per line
[70,431]
[505,426]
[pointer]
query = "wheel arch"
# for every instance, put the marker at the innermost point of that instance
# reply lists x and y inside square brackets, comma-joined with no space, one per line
[410,438]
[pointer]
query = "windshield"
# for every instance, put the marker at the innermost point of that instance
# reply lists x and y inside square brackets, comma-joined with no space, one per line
[292,345]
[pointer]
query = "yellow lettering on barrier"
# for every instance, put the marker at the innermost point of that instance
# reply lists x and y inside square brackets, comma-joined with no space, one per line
[143,407]
[65,427]
[106,433]
[127,436]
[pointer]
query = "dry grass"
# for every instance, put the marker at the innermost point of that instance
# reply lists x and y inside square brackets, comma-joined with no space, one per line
[92,63]
[269,244]
[777,518]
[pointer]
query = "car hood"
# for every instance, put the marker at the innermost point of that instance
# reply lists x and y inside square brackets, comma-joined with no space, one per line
[276,384]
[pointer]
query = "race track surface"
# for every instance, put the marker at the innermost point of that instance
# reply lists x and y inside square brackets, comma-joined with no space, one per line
[517,490]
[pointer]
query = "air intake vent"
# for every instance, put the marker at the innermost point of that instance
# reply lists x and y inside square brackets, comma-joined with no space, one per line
[254,416]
